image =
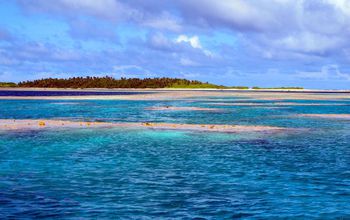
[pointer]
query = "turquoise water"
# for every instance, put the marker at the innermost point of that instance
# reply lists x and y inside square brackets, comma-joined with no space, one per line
[66,93]
[146,174]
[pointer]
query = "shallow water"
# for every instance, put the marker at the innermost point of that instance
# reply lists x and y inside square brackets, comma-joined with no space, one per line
[144,174]
[65,93]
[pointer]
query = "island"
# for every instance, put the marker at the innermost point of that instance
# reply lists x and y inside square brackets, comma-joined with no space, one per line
[127,83]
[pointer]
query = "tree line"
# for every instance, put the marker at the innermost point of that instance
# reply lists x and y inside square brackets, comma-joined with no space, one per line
[110,82]
[7,84]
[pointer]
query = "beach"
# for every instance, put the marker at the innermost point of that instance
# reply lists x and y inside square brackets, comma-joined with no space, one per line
[177,94]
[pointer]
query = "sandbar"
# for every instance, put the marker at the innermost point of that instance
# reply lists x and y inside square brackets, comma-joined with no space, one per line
[335,116]
[41,124]
[162,94]
[173,108]
[275,103]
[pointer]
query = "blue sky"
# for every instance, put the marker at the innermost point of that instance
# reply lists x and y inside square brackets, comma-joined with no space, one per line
[232,42]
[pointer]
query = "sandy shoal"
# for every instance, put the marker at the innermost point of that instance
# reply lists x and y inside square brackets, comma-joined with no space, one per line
[335,116]
[40,124]
[194,94]
[173,108]
[274,103]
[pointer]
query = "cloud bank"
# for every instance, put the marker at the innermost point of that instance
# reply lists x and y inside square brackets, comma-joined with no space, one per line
[297,42]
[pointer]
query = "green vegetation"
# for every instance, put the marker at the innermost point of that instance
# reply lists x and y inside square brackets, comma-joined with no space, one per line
[8,84]
[110,82]
[237,87]
[185,84]
[256,87]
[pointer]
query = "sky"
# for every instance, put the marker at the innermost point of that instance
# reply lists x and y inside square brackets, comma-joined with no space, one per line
[265,43]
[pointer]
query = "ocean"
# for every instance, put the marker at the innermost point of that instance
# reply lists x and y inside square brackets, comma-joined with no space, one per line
[113,173]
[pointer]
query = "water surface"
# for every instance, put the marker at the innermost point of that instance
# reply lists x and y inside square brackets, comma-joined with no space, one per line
[146,174]
[65,93]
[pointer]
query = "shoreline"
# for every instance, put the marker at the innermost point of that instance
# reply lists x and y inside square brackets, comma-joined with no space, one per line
[172,89]
[171,94]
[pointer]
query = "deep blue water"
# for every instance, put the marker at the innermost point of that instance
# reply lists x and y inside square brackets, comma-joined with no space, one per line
[145,174]
[65,93]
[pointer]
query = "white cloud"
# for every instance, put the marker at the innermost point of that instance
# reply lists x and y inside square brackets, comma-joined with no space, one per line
[292,34]
[342,5]
[165,22]
[108,7]
[328,72]
[295,26]
[306,42]
[193,42]
[238,14]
